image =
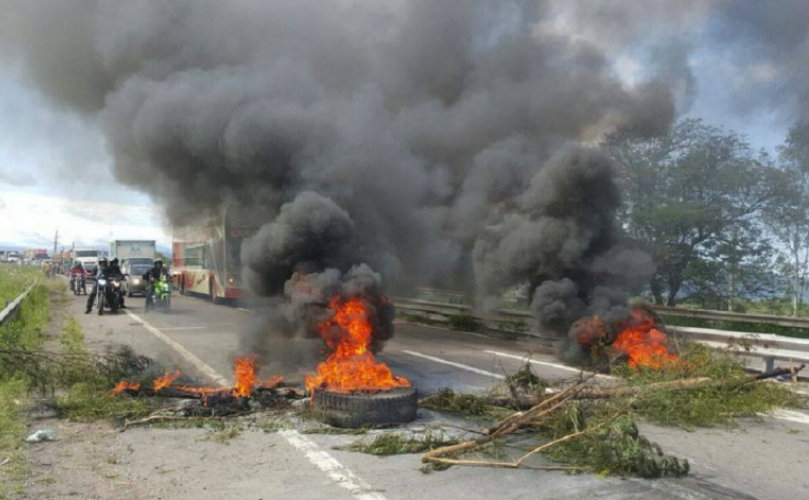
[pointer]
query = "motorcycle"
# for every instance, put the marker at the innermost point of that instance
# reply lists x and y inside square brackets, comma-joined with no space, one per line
[110,294]
[78,285]
[160,298]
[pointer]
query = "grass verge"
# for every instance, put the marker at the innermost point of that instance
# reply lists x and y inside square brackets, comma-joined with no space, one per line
[12,428]
[88,383]
[24,332]
[14,280]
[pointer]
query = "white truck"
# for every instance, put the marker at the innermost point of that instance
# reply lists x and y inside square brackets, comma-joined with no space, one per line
[133,252]
[88,257]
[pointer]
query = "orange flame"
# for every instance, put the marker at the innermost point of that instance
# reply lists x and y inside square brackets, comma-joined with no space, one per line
[351,366]
[124,385]
[643,342]
[244,374]
[166,380]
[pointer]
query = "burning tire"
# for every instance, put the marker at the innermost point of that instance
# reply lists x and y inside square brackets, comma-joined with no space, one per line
[393,406]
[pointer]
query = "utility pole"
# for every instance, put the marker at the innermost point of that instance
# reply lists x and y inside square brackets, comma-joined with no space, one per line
[55,242]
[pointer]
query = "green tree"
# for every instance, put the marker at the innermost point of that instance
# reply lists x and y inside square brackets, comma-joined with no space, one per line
[788,214]
[692,200]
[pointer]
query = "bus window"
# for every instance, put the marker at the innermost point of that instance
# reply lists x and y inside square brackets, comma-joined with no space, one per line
[193,256]
[234,255]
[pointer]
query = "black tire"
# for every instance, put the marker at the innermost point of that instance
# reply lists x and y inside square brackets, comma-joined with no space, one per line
[395,406]
[100,307]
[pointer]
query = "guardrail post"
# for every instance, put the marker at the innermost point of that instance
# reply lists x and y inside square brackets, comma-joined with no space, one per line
[769,364]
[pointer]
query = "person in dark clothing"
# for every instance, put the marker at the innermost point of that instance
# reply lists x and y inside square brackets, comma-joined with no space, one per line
[115,268]
[157,270]
[115,272]
[103,271]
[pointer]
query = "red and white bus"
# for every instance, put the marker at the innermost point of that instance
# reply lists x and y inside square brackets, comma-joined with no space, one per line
[206,258]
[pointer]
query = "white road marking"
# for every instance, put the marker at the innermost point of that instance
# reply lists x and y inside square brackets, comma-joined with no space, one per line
[183,327]
[182,351]
[552,365]
[243,309]
[789,415]
[456,365]
[336,471]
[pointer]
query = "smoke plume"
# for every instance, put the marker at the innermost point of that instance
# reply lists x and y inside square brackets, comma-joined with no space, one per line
[428,141]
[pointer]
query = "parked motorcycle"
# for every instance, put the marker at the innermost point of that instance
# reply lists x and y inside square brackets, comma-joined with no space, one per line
[110,294]
[160,298]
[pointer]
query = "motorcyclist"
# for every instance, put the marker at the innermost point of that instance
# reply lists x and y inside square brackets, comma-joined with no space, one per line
[77,272]
[103,271]
[115,268]
[155,273]
[115,272]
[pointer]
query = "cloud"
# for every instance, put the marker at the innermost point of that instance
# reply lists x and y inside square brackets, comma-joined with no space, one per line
[36,218]
[16,177]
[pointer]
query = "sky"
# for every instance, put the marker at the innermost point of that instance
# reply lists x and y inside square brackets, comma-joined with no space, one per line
[55,170]
[55,175]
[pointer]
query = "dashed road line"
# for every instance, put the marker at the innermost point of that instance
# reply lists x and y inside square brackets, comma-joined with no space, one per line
[336,471]
[182,351]
[462,366]
[789,415]
[546,363]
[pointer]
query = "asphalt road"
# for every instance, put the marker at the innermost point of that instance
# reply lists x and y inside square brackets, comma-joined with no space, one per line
[765,458]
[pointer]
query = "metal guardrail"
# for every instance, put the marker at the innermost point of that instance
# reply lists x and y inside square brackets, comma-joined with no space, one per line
[11,309]
[455,297]
[733,316]
[765,346]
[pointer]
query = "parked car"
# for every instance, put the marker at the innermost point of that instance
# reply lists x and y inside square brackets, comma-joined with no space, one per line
[135,285]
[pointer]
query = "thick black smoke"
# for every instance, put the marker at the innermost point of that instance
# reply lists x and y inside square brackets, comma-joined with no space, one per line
[561,237]
[420,138]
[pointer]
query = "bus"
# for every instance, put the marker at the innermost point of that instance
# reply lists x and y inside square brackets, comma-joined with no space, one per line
[206,257]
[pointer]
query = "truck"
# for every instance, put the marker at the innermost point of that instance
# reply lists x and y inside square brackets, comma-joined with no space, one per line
[133,252]
[88,257]
[35,256]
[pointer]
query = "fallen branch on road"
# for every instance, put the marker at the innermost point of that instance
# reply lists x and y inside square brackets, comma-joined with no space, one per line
[593,427]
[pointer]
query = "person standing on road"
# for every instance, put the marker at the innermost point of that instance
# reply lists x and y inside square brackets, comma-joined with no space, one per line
[102,272]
